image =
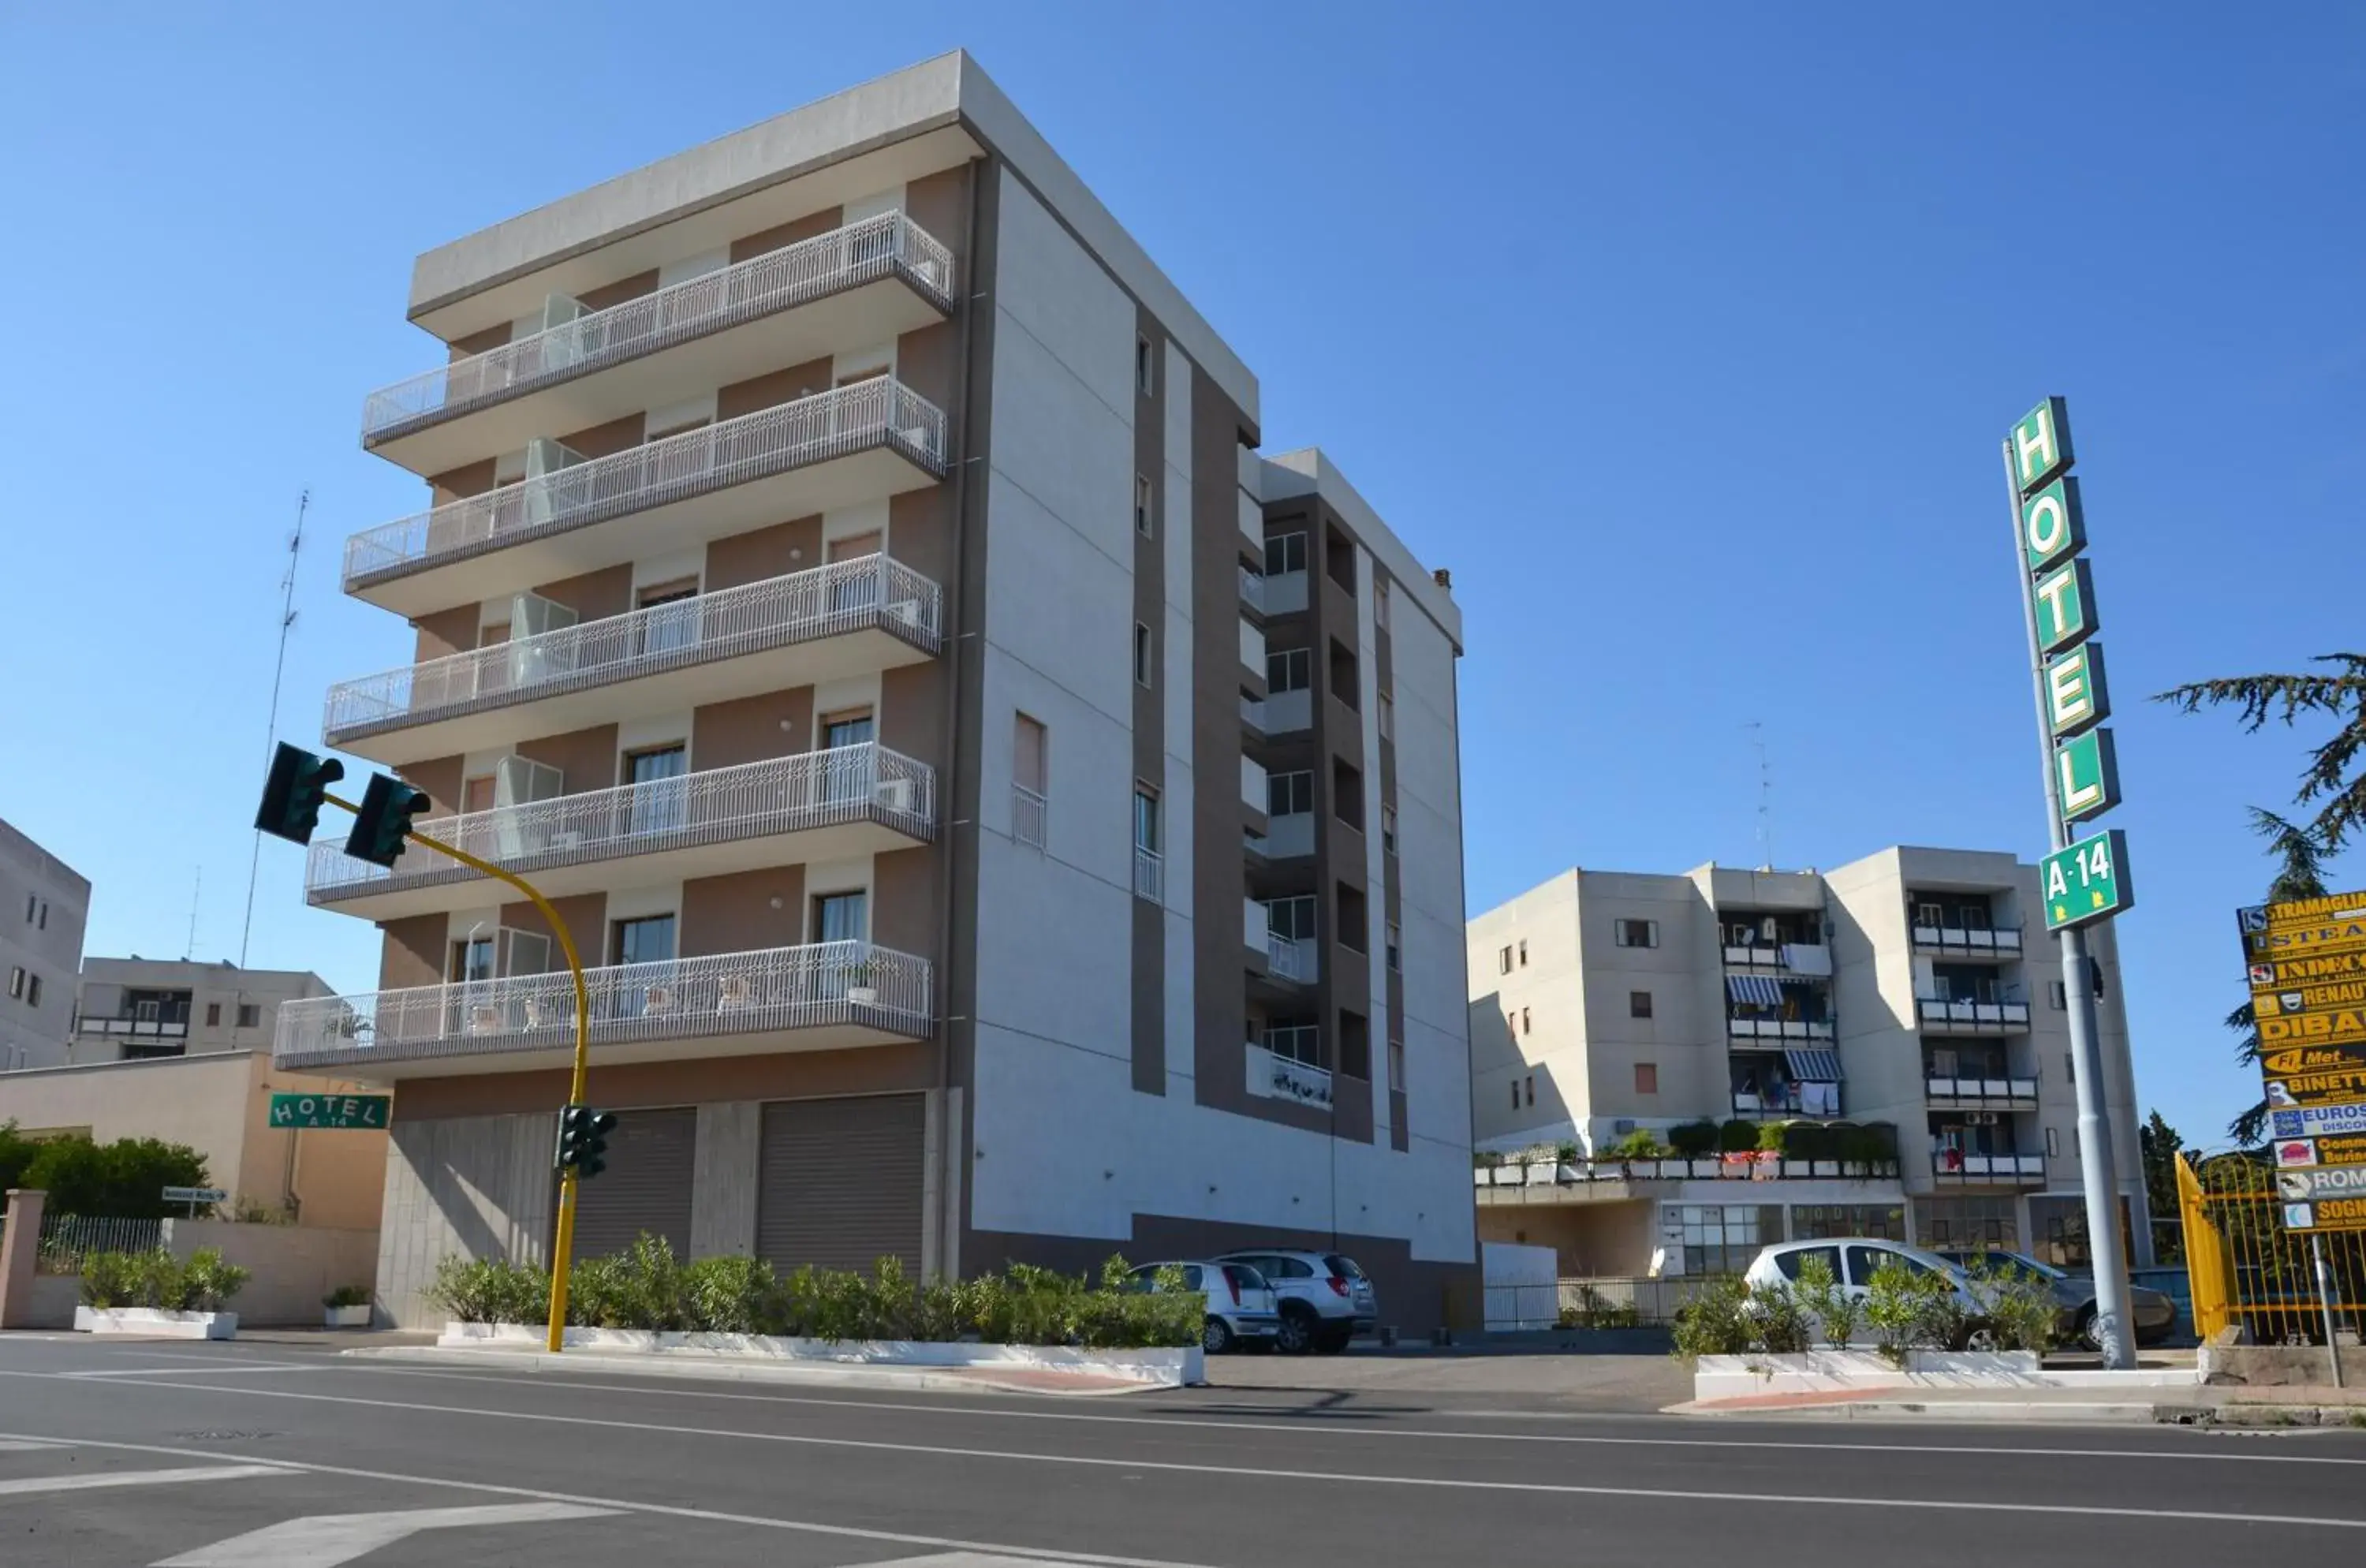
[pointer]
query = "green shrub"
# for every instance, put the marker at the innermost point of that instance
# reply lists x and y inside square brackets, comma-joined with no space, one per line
[728,1295]
[1716,1322]
[1826,1301]
[1779,1323]
[207,1281]
[107,1279]
[1737,1137]
[1893,1309]
[1594,1310]
[1774,1136]
[125,1178]
[1640,1144]
[346,1296]
[157,1279]
[489,1289]
[1693,1139]
[1943,1320]
[2018,1307]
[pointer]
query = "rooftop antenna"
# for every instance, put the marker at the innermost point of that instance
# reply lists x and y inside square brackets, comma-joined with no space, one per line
[271,732]
[189,947]
[1765,796]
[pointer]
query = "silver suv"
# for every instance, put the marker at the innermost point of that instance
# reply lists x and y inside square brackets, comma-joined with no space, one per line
[1324,1298]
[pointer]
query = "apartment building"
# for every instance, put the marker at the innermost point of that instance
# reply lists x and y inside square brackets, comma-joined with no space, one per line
[44,905]
[1003,815]
[1904,1013]
[135,1008]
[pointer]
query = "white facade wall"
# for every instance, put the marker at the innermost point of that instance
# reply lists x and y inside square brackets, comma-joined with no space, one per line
[44,906]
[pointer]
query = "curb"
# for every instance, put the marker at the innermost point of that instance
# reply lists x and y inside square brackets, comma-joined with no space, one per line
[2022,1412]
[925,1380]
[2262,1417]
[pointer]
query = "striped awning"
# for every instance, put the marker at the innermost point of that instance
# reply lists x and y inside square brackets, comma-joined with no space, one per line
[1763,989]
[1814,1067]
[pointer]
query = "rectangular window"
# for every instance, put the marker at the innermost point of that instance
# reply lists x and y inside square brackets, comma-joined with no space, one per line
[1524,952]
[31,899]
[1516,1094]
[1388,717]
[1524,1022]
[1031,780]
[1339,559]
[43,921]
[1638,1004]
[1355,924]
[1285,552]
[213,1015]
[1388,829]
[1395,946]
[2055,997]
[1142,505]
[1637,933]
[837,917]
[1396,1066]
[1343,684]
[650,939]
[660,797]
[1289,669]
[1289,795]
[1504,961]
[1149,868]
[1646,1077]
[1532,1089]
[1292,917]
[1141,654]
[250,1015]
[2053,1144]
[16,984]
[1145,369]
[1380,602]
[1347,794]
[32,990]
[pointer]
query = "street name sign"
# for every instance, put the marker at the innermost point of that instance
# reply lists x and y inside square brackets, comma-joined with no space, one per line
[196,1195]
[354,1112]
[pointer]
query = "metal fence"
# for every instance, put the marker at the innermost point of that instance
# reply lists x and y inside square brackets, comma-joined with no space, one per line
[2246,1270]
[67,1240]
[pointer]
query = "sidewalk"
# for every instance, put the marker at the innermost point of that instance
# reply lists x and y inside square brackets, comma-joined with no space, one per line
[2202,1406]
[604,1363]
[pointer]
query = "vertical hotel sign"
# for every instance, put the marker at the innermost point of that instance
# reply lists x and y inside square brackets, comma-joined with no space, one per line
[2087,879]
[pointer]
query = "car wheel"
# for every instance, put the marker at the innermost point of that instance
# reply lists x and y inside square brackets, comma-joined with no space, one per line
[1297,1336]
[2085,1331]
[1331,1341]
[1215,1335]
[1982,1338]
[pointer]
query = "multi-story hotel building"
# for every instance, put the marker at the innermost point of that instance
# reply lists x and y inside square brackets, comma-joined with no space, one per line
[1911,1002]
[1003,815]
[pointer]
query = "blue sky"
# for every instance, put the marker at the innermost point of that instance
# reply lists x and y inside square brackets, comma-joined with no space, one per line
[1685,340]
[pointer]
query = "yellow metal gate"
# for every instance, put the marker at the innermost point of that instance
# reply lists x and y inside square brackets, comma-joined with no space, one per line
[2247,1268]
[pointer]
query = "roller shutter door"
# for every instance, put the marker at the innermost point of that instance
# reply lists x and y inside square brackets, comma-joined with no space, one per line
[839,1182]
[646,1186]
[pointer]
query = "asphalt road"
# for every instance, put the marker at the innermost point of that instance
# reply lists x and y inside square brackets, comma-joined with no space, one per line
[265,1456]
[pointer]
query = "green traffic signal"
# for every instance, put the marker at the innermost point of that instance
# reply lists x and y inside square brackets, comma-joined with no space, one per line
[294,791]
[387,809]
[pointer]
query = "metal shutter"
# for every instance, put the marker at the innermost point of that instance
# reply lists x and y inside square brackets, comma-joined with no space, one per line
[646,1186]
[839,1186]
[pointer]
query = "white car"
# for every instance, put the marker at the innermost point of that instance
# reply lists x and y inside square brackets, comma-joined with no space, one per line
[1239,1303]
[1324,1298]
[1852,1260]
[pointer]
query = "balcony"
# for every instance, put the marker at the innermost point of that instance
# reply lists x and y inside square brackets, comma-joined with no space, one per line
[1790,1101]
[1253,649]
[1290,836]
[1780,958]
[1253,596]
[1287,958]
[865,282]
[1938,1016]
[1546,1179]
[824,995]
[1279,713]
[1275,1077]
[816,805]
[1954,1166]
[133,1031]
[1285,592]
[1255,794]
[848,618]
[1777,1029]
[1981,1094]
[1959,941]
[1149,874]
[856,443]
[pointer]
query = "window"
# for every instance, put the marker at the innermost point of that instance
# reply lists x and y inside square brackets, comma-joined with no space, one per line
[1142,505]
[1516,1094]
[1523,1020]
[650,939]
[1289,795]
[2055,997]
[1388,837]
[663,630]
[30,900]
[1292,917]
[250,1015]
[1396,1066]
[1388,717]
[1721,1238]
[2070,1069]
[213,1015]
[1638,1004]
[1636,933]
[660,798]
[1285,552]
[1145,369]
[1356,1046]
[1524,952]
[1395,947]
[1355,925]
[2053,1144]
[32,990]
[1646,1077]
[1792,1262]
[16,984]
[1141,654]
[1149,870]
[1815,1222]
[1030,778]
[1347,794]
[1343,684]
[1380,602]
[42,924]
[1289,669]
[1532,1089]
[1863,1262]
[1339,559]
[1504,961]
[1297,1039]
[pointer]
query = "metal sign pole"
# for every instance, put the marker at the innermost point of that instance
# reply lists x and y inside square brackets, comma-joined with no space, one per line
[2111,1262]
[2325,1300]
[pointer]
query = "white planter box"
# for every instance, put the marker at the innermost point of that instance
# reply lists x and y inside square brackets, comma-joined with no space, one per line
[1155,1368]
[1828,1372]
[158,1323]
[346,1317]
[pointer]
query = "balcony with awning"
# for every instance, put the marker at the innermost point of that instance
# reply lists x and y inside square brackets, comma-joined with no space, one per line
[1775,1008]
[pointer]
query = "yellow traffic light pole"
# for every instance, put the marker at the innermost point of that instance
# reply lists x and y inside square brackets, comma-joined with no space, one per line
[562,1243]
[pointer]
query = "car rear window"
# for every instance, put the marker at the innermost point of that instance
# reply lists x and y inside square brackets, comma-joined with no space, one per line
[1344,1266]
[1789,1262]
[1245,1277]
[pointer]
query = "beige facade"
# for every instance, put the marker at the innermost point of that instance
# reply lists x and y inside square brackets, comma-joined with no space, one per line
[1914,992]
[219,1104]
[842,591]
[129,1009]
[44,905]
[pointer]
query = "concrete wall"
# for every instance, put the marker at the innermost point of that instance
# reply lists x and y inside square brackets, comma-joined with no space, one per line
[468,1186]
[293,1266]
[46,943]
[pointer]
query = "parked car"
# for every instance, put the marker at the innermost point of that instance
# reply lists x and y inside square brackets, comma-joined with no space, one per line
[1323,1298]
[1854,1260]
[2171,1281]
[2154,1312]
[1239,1302]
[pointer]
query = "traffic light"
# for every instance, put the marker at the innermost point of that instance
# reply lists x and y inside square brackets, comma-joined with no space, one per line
[388,806]
[583,1140]
[293,792]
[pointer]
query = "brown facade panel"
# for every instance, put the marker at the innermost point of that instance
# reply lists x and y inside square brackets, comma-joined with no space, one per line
[780,235]
[1148,972]
[1219,964]
[456,484]
[904,899]
[785,1074]
[484,342]
[919,531]
[747,911]
[607,440]
[939,203]
[586,759]
[610,295]
[414,951]
[752,729]
[594,595]
[772,389]
[440,777]
[761,553]
[912,712]
[446,632]
[928,358]
[586,915]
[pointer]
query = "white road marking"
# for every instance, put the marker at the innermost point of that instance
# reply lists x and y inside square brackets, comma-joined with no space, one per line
[324,1540]
[18,1446]
[92,1479]
[1260,1473]
[184,1371]
[1303,1429]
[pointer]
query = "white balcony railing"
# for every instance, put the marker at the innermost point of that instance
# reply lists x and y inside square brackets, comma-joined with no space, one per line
[889,244]
[1275,1077]
[813,789]
[1287,958]
[835,424]
[1149,874]
[1982,1089]
[731,993]
[804,606]
[1974,1016]
[1957,1165]
[1029,815]
[1252,591]
[1776,1029]
[1973,941]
